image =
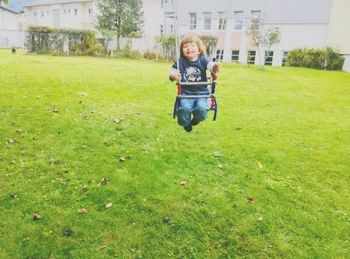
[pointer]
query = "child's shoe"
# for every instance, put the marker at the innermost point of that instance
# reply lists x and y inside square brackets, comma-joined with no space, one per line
[188,128]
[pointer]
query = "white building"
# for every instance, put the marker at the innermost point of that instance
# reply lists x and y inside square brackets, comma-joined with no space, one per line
[11,28]
[303,24]
[81,14]
[73,14]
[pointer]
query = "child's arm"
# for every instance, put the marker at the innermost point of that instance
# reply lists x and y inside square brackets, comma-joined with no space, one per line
[174,75]
[214,67]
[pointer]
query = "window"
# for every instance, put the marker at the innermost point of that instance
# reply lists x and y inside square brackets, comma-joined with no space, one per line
[90,11]
[47,12]
[65,10]
[75,12]
[284,58]
[34,13]
[238,20]
[172,28]
[251,57]
[162,4]
[222,21]
[256,19]
[220,54]
[42,13]
[161,29]
[193,21]
[235,56]
[207,21]
[169,14]
[268,58]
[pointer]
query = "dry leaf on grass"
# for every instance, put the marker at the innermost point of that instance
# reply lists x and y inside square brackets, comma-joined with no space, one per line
[183,182]
[217,154]
[83,211]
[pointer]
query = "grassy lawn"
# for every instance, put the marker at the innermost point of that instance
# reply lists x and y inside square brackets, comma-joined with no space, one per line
[89,145]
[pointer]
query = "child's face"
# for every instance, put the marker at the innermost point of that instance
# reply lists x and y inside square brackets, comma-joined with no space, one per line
[190,51]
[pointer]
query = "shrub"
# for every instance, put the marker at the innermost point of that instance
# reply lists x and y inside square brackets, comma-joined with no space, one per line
[78,42]
[209,42]
[327,59]
[168,46]
[153,56]
[127,52]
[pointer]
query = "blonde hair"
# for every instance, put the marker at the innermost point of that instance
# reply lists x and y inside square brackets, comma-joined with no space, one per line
[192,38]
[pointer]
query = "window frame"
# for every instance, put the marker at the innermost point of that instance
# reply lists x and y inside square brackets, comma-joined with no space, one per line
[193,26]
[284,58]
[235,55]
[251,61]
[254,16]
[219,54]
[207,17]
[268,60]
[222,21]
[236,23]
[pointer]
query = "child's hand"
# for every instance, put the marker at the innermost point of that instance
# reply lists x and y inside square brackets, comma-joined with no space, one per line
[216,68]
[176,77]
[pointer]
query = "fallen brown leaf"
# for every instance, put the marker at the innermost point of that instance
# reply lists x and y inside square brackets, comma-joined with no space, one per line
[183,182]
[83,211]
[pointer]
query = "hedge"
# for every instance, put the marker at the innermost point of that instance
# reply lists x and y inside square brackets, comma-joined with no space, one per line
[70,41]
[327,59]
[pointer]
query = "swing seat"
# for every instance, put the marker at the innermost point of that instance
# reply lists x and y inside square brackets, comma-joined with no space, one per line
[211,84]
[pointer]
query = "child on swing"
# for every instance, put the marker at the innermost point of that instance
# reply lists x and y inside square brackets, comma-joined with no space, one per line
[193,63]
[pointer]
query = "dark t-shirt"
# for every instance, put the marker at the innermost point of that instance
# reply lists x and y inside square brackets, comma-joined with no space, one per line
[193,71]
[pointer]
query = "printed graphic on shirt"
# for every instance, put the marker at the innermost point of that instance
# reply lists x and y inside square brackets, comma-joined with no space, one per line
[193,74]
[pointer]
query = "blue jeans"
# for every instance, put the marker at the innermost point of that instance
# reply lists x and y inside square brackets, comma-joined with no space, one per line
[198,106]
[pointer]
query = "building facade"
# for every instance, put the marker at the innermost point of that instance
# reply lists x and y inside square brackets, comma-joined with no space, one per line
[70,14]
[11,28]
[302,24]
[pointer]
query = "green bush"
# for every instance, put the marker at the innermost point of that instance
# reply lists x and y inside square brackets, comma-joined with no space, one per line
[210,43]
[38,39]
[327,59]
[153,56]
[168,46]
[127,52]
[48,40]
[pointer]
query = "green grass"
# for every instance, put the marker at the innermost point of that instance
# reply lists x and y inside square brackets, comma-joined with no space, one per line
[283,134]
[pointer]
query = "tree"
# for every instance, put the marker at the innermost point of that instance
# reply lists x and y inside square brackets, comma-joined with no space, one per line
[121,16]
[262,37]
[5,1]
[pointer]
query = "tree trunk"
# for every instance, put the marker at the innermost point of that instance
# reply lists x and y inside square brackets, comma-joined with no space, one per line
[118,42]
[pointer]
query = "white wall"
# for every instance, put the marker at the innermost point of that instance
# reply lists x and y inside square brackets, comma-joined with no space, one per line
[339,32]
[10,31]
[68,17]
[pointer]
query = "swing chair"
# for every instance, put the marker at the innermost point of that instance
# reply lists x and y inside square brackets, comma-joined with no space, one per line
[211,83]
